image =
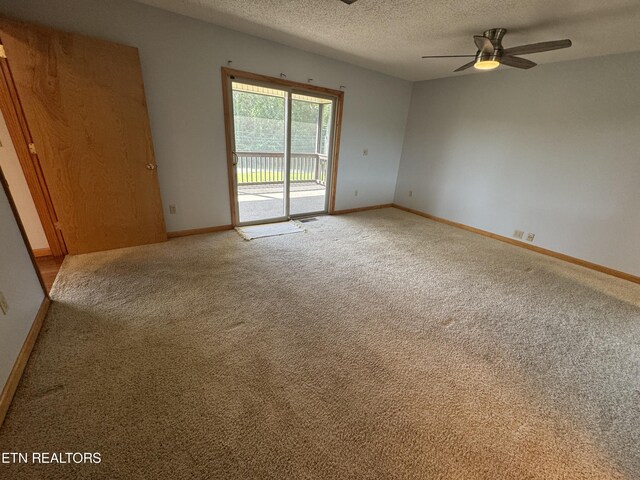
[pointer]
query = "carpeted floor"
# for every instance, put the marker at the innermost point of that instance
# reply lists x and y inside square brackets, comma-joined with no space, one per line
[375,345]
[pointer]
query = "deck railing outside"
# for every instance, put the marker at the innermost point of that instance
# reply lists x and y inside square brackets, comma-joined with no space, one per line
[265,167]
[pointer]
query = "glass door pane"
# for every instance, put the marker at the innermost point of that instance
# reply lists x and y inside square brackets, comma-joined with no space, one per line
[311,129]
[259,119]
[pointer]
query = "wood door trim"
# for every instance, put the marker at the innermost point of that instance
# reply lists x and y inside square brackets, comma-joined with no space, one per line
[41,252]
[336,154]
[18,128]
[228,125]
[227,73]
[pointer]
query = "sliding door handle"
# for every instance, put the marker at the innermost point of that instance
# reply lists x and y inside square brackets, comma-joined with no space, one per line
[235,158]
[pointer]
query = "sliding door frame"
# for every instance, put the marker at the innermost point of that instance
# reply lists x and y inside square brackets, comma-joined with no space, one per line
[329,181]
[286,154]
[228,76]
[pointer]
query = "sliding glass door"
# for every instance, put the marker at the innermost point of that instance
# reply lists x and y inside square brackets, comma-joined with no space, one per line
[311,120]
[260,131]
[282,148]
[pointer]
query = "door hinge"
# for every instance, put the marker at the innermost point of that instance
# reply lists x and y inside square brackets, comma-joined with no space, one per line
[57,225]
[32,148]
[3,54]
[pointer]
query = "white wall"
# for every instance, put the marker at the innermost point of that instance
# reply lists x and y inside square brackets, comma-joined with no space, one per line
[19,190]
[20,287]
[181,60]
[554,150]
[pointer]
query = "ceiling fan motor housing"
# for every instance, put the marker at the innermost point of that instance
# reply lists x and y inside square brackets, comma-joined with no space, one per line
[495,35]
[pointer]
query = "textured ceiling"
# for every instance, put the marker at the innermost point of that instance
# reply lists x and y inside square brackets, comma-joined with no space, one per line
[390,36]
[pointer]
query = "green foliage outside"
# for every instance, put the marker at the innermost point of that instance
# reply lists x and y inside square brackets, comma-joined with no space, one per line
[259,124]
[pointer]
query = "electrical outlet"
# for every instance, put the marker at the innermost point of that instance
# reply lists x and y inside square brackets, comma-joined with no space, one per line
[4,306]
[518,234]
[172,209]
[411,193]
[365,152]
[530,237]
[355,194]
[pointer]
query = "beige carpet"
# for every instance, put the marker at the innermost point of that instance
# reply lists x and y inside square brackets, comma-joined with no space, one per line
[377,345]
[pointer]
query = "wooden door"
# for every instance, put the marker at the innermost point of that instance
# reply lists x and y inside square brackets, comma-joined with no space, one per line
[84,103]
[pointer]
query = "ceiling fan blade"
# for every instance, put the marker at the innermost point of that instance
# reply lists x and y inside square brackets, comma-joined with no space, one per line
[517,62]
[538,47]
[448,56]
[465,66]
[484,44]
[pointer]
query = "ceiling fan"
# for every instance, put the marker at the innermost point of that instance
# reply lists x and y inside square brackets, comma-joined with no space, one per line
[491,54]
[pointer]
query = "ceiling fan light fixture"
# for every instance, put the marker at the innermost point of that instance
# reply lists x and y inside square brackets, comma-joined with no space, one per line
[486,64]
[487,61]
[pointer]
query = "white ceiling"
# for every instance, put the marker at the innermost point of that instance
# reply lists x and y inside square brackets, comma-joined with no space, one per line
[390,36]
